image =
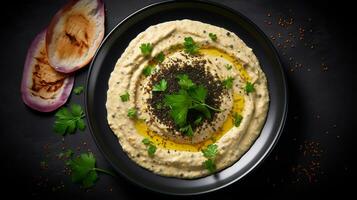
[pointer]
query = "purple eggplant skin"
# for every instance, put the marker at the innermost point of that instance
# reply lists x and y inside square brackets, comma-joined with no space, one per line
[42,88]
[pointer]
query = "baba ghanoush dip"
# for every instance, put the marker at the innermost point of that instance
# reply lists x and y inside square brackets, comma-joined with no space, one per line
[187,99]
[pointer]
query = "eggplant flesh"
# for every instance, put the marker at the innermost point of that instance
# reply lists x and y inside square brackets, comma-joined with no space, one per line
[74,34]
[43,88]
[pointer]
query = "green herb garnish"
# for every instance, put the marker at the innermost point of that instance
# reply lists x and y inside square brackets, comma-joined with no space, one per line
[67,121]
[146,49]
[213,36]
[160,57]
[78,90]
[159,106]
[198,120]
[237,119]
[189,97]
[210,153]
[228,66]
[83,170]
[187,130]
[161,86]
[228,83]
[132,112]
[151,148]
[125,97]
[190,46]
[148,70]
[249,87]
[185,82]
[66,154]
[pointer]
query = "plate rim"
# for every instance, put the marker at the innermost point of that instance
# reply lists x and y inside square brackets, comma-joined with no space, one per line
[276,57]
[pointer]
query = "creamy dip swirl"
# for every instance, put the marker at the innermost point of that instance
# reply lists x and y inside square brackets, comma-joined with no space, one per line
[177,155]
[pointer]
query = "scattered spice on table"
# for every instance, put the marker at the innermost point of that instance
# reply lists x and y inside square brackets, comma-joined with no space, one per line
[309,170]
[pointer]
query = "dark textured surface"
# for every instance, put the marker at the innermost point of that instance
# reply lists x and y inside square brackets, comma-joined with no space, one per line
[321,112]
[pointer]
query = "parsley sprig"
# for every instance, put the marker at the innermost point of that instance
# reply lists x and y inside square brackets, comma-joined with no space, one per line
[83,170]
[148,70]
[213,36]
[210,153]
[151,148]
[78,90]
[68,121]
[237,119]
[189,97]
[146,49]
[125,97]
[161,86]
[249,87]
[190,46]
[160,57]
[228,82]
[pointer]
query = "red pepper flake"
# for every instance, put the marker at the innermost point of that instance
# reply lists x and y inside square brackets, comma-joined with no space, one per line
[324,67]
[309,169]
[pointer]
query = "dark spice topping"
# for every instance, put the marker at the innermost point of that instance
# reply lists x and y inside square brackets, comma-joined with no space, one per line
[198,74]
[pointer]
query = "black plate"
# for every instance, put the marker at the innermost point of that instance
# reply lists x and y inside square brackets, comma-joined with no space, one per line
[114,45]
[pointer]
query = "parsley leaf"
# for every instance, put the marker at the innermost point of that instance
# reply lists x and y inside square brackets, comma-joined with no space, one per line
[198,120]
[132,112]
[179,104]
[185,82]
[160,57]
[78,90]
[228,66]
[67,121]
[210,153]
[66,154]
[249,87]
[228,83]
[146,141]
[210,165]
[125,97]
[189,97]
[237,119]
[187,130]
[146,49]
[199,93]
[161,86]
[148,70]
[83,170]
[213,36]
[151,148]
[190,46]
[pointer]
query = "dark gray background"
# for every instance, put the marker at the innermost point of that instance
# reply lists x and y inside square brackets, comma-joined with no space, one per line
[321,111]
